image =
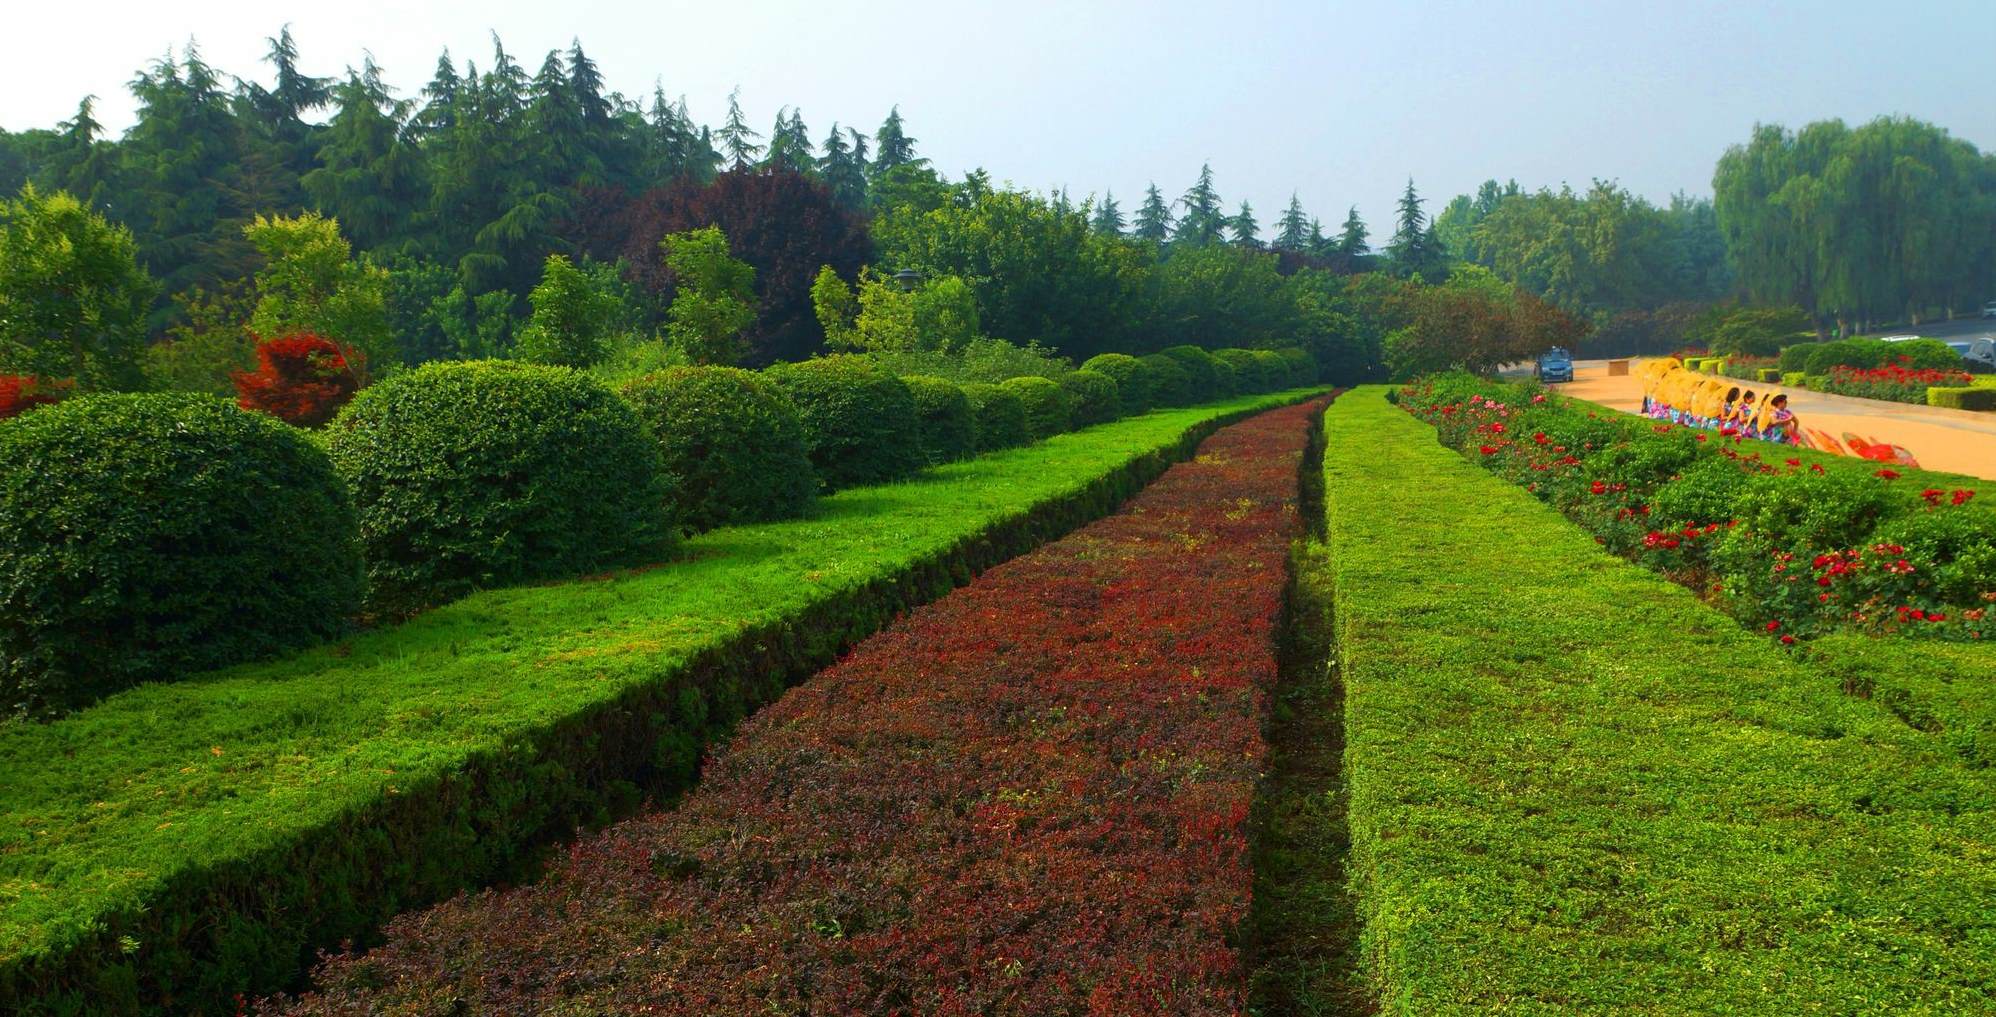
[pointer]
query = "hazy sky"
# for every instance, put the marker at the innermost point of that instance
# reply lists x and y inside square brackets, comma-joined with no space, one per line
[1339,102]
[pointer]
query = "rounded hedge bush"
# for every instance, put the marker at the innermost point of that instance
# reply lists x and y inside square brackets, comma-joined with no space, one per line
[729,442]
[1198,365]
[488,473]
[1092,396]
[860,422]
[1277,368]
[949,425]
[1047,409]
[1132,378]
[1170,384]
[1302,366]
[1226,379]
[1001,416]
[1252,371]
[146,537]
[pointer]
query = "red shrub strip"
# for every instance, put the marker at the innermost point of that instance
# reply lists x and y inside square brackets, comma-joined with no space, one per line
[300,379]
[1028,797]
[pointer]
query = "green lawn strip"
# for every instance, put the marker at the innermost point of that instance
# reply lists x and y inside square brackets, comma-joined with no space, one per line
[1575,788]
[1947,690]
[177,844]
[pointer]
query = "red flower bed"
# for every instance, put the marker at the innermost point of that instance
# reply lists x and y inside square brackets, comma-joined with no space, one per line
[1895,382]
[1028,797]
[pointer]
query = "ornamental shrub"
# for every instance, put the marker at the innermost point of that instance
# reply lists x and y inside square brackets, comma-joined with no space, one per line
[1001,416]
[1973,398]
[147,537]
[1134,385]
[860,422]
[1225,378]
[1302,366]
[1093,397]
[1796,357]
[475,474]
[1198,365]
[1047,409]
[730,445]
[301,379]
[20,393]
[949,425]
[1277,366]
[1170,385]
[1252,371]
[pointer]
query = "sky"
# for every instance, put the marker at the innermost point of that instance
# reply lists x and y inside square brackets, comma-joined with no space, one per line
[1339,103]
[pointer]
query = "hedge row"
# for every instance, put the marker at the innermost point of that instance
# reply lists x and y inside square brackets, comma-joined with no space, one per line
[1796,546]
[1576,789]
[949,820]
[180,843]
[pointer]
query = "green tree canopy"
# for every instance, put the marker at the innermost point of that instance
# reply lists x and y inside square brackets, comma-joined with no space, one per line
[73,299]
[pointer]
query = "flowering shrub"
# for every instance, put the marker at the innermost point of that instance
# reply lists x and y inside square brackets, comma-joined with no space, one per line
[301,379]
[1895,382]
[1029,797]
[1776,540]
[20,393]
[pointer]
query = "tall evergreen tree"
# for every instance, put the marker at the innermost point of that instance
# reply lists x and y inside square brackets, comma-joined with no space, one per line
[368,177]
[1353,237]
[190,195]
[842,171]
[1108,219]
[1412,247]
[790,143]
[1203,219]
[737,139]
[1292,231]
[1246,231]
[557,129]
[441,98]
[894,147]
[80,163]
[1153,222]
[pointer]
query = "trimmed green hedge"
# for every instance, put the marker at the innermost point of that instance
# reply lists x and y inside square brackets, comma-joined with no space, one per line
[1576,789]
[1977,397]
[1000,416]
[1092,396]
[729,442]
[1047,409]
[1170,384]
[477,474]
[860,421]
[192,841]
[1253,372]
[949,425]
[1134,385]
[1198,366]
[145,537]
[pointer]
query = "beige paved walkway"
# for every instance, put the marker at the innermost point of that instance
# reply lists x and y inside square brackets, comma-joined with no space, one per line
[1957,441]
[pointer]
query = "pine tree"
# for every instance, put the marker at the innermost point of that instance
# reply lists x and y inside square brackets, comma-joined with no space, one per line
[79,163]
[1153,222]
[895,148]
[1352,240]
[1108,218]
[1203,218]
[368,177]
[1292,231]
[441,97]
[1246,231]
[189,194]
[737,139]
[790,143]
[1409,248]
[1317,243]
[557,130]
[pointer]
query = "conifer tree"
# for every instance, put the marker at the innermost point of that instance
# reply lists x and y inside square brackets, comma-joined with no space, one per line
[1292,231]
[1246,231]
[1108,219]
[790,143]
[1409,248]
[895,148]
[1153,222]
[1203,219]
[841,170]
[367,177]
[1353,238]
[737,139]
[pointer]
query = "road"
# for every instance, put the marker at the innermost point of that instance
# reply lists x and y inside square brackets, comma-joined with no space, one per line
[1960,328]
[1957,441]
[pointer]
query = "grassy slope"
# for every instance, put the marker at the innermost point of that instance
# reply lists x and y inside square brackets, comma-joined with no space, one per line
[1574,788]
[104,806]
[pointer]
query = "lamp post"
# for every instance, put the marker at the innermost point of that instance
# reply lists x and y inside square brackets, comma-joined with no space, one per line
[907,279]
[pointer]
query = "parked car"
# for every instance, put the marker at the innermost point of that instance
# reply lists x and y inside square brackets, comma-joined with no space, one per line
[1977,355]
[1554,365]
[1989,309]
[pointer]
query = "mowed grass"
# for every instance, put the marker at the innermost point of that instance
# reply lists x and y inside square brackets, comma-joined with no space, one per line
[189,798]
[1574,788]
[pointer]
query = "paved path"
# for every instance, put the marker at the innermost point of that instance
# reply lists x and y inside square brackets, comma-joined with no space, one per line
[1957,441]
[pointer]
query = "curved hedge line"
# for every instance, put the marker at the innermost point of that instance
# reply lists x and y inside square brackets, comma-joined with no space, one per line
[477,474]
[860,421]
[146,537]
[729,442]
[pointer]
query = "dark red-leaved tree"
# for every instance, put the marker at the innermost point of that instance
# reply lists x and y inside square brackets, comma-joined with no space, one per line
[20,393]
[783,223]
[300,379]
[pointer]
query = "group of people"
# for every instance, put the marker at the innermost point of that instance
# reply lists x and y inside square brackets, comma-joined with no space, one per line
[1679,396]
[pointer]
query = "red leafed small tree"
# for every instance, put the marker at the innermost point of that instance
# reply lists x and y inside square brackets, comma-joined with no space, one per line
[20,393]
[301,379]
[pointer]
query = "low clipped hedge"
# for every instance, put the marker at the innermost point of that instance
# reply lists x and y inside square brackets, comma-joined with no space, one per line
[1576,789]
[1170,383]
[1134,387]
[1047,409]
[1252,373]
[949,425]
[730,445]
[181,844]
[1094,397]
[1198,365]
[1869,353]
[860,421]
[478,474]
[1972,398]
[1767,375]
[147,537]
[1796,358]
[1000,416]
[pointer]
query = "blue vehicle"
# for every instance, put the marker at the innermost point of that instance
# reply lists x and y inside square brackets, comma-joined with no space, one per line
[1554,365]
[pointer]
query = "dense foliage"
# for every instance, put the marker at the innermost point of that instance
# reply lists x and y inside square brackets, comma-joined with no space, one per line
[73,299]
[730,444]
[1000,416]
[1047,409]
[480,474]
[148,537]
[861,424]
[949,424]
[1135,388]
[1092,397]
[300,379]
